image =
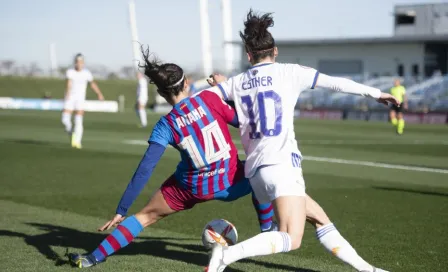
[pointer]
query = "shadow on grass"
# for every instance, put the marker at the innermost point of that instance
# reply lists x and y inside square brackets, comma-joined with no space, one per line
[155,246]
[413,191]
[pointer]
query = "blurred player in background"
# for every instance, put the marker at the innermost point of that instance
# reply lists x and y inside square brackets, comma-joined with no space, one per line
[265,97]
[142,99]
[75,97]
[396,111]
[209,168]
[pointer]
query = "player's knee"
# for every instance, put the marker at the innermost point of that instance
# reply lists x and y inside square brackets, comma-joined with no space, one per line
[295,236]
[147,217]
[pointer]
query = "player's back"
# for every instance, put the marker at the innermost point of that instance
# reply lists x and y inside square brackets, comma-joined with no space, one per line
[201,134]
[265,97]
[79,81]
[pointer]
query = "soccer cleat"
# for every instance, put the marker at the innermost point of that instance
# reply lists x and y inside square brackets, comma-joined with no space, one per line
[274,227]
[73,140]
[141,126]
[77,146]
[82,261]
[216,263]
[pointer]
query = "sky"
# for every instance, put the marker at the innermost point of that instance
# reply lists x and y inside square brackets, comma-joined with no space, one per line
[100,30]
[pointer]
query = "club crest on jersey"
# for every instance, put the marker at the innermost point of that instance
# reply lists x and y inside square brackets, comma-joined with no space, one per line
[254,72]
[191,117]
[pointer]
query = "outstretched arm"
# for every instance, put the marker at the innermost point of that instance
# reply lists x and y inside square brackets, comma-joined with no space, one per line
[348,86]
[140,177]
[97,90]
[137,183]
[405,102]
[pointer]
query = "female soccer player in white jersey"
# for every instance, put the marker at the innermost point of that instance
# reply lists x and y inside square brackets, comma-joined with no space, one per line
[265,97]
[75,96]
[142,99]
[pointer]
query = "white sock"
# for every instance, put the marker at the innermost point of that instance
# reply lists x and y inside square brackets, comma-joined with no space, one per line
[333,241]
[142,116]
[79,129]
[67,121]
[262,244]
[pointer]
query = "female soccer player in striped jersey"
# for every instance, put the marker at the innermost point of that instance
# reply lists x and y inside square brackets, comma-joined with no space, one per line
[265,97]
[197,127]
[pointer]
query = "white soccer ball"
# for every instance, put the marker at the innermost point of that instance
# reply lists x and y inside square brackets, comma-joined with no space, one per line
[219,231]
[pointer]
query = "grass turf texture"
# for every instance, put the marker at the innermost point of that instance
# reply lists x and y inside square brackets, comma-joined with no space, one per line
[53,197]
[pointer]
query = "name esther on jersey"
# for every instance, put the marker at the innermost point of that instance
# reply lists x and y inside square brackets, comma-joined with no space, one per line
[257,81]
[191,117]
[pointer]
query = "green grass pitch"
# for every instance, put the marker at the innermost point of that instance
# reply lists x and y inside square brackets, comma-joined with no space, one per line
[53,197]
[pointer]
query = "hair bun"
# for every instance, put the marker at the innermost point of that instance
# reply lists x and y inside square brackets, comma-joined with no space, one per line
[256,25]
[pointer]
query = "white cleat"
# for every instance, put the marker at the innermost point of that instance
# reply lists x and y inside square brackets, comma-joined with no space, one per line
[216,263]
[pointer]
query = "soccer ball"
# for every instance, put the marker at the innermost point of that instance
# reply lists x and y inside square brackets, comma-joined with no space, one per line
[219,231]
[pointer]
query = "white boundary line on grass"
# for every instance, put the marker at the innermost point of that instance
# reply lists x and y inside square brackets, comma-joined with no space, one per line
[341,161]
[376,164]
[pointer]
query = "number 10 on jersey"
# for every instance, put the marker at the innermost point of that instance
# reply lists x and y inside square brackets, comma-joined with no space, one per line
[262,98]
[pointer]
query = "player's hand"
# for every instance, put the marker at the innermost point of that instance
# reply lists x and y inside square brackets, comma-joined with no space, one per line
[215,79]
[386,98]
[100,97]
[118,218]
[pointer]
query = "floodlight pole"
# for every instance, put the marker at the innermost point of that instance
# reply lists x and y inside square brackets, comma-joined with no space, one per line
[227,27]
[207,60]
[134,35]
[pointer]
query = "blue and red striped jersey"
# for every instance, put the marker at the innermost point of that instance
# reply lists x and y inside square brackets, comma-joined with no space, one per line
[197,128]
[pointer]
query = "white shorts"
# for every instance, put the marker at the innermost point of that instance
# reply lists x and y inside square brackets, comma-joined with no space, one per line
[74,103]
[273,181]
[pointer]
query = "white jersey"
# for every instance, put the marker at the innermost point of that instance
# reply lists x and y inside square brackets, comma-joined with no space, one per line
[265,97]
[79,80]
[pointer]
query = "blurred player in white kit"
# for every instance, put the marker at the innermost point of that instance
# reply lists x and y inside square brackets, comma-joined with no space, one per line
[75,97]
[142,99]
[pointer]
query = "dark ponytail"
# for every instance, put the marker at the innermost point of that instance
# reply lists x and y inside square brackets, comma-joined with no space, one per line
[256,37]
[168,77]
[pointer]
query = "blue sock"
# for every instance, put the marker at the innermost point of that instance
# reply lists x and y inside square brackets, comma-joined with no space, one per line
[120,237]
[265,213]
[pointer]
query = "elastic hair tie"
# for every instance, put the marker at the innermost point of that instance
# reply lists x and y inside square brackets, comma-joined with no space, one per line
[177,83]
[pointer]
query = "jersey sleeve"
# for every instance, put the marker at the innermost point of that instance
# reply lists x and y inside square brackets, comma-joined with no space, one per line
[223,109]
[140,177]
[162,133]
[68,74]
[224,89]
[305,77]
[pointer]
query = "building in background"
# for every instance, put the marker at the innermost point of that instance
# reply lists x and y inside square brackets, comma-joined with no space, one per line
[418,49]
